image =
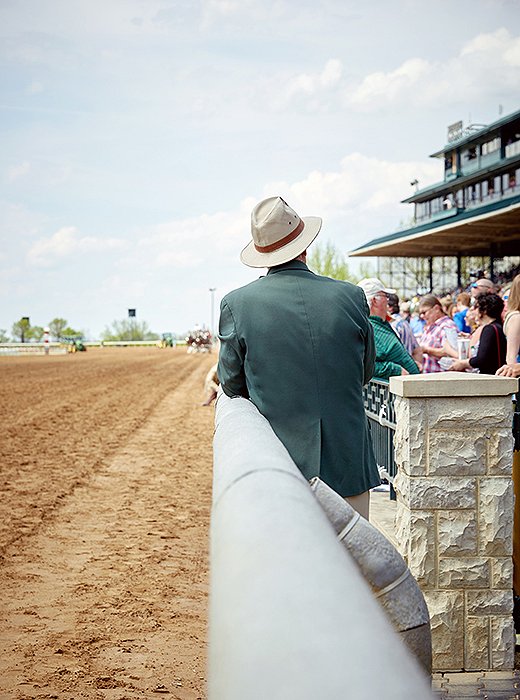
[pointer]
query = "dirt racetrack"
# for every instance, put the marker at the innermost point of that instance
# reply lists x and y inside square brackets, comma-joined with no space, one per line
[105,497]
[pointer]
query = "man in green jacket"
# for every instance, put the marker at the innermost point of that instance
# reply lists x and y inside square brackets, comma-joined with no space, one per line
[301,347]
[392,358]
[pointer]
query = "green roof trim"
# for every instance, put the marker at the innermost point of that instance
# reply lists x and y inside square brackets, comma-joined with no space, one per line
[477,135]
[432,225]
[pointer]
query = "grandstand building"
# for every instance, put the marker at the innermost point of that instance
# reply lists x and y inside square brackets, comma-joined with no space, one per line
[470,218]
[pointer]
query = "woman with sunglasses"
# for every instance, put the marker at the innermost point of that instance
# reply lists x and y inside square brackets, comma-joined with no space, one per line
[439,330]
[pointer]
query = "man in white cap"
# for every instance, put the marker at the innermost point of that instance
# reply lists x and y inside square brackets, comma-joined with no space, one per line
[392,358]
[300,347]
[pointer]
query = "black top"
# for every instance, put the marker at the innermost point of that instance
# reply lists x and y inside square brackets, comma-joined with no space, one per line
[491,349]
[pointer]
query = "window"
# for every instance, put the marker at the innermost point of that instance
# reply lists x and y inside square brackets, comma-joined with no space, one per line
[436,205]
[490,146]
[469,195]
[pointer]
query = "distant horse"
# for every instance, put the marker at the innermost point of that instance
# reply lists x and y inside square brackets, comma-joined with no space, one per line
[199,341]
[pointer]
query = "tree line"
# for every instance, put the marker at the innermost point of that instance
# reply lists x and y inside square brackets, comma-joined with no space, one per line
[23,332]
[128,329]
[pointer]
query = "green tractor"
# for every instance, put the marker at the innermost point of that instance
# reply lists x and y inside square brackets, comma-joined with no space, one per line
[167,341]
[74,344]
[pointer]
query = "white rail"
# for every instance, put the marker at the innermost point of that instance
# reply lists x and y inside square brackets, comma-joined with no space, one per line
[291,617]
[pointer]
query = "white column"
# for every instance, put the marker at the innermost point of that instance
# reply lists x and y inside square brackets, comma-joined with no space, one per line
[454,514]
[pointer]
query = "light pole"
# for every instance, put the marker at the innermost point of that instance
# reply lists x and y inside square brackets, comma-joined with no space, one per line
[212,291]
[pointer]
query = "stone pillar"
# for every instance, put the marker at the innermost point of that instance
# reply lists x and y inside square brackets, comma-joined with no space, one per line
[454,517]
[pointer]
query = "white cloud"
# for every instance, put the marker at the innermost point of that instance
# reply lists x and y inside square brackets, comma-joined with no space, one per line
[65,243]
[193,242]
[493,41]
[361,182]
[310,83]
[487,63]
[389,86]
[359,201]
[16,172]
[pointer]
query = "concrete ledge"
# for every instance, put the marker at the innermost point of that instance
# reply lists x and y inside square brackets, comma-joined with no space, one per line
[452,384]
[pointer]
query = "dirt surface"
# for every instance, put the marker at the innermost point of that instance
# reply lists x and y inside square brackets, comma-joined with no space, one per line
[105,498]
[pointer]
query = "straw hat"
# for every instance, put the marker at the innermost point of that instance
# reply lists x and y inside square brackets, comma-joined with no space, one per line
[279,234]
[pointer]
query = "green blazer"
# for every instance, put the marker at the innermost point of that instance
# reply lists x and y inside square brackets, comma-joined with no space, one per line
[301,347]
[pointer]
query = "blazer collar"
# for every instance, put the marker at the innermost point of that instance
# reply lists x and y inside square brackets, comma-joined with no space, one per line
[291,265]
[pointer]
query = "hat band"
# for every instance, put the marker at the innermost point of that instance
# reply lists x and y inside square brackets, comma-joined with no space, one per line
[283,241]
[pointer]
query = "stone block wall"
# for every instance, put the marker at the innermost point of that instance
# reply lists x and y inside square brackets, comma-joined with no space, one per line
[453,447]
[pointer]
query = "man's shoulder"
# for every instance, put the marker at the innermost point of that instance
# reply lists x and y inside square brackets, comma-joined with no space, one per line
[318,286]
[341,286]
[240,292]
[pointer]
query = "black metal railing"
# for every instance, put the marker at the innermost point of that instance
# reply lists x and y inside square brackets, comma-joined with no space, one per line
[380,411]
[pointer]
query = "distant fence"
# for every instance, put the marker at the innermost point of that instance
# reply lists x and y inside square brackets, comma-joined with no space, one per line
[32,348]
[60,348]
[129,343]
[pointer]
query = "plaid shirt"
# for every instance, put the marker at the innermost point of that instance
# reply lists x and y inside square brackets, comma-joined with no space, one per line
[434,336]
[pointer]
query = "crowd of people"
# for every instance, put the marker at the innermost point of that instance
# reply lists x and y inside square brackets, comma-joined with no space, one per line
[477,330]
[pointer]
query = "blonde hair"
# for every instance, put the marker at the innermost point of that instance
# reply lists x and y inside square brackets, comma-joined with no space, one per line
[513,301]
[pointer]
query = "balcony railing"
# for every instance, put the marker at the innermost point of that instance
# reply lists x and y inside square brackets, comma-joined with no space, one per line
[471,204]
[512,149]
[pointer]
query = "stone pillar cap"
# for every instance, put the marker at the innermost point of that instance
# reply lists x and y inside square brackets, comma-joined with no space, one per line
[452,384]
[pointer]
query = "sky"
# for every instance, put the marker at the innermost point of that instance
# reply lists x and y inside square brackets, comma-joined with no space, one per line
[137,135]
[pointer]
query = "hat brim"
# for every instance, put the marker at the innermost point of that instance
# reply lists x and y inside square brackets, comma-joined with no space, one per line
[251,257]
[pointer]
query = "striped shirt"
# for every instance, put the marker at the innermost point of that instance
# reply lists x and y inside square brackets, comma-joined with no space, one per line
[391,355]
[434,336]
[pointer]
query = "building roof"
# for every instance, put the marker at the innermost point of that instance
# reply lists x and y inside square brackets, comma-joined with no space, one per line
[495,226]
[473,136]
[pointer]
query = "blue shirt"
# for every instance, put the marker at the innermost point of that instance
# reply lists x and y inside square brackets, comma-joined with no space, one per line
[460,321]
[417,325]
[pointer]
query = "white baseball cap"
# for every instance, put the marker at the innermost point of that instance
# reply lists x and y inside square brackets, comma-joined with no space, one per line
[372,286]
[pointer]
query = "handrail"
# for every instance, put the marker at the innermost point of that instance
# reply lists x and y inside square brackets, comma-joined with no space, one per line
[291,616]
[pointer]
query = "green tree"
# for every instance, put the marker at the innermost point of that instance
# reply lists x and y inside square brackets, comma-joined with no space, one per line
[21,330]
[128,329]
[366,270]
[327,260]
[35,333]
[3,337]
[57,326]
[69,332]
